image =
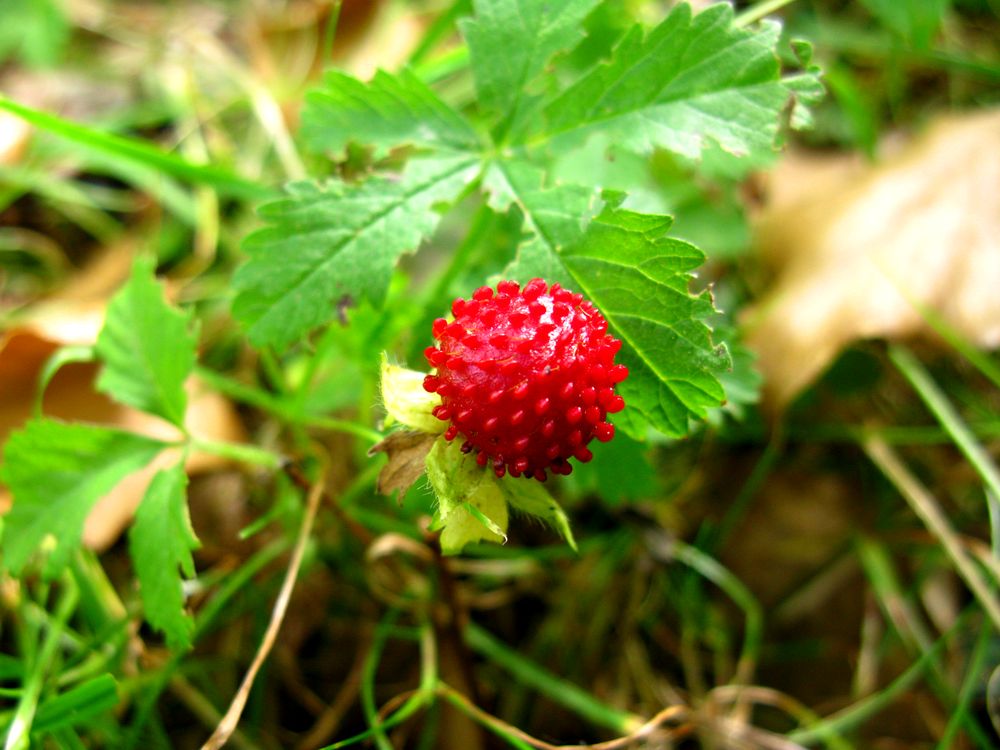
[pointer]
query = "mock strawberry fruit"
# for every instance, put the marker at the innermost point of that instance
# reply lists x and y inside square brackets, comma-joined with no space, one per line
[526,376]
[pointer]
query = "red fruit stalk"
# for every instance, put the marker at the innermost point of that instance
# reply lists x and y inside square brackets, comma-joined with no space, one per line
[527,377]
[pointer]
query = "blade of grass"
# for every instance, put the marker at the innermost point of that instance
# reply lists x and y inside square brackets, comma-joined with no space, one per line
[914,633]
[927,508]
[667,549]
[974,671]
[18,736]
[557,689]
[139,151]
[232,716]
[946,414]
[856,714]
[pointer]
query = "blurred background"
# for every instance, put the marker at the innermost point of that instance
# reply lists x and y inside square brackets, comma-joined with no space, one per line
[812,541]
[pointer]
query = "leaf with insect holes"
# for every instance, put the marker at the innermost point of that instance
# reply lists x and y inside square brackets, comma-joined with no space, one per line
[691,80]
[56,472]
[390,110]
[147,346]
[510,42]
[638,277]
[325,243]
[160,542]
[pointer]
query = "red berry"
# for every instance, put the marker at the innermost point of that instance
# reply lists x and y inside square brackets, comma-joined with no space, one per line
[526,376]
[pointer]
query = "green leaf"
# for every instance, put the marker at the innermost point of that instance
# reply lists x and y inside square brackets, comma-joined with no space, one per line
[335,241]
[556,218]
[388,111]
[56,472]
[639,278]
[533,498]
[471,505]
[160,542]
[148,348]
[510,41]
[77,705]
[693,79]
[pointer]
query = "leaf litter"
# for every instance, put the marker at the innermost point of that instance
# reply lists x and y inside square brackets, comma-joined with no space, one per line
[862,250]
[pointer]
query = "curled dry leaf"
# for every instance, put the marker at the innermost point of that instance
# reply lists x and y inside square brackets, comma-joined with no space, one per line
[407,452]
[862,251]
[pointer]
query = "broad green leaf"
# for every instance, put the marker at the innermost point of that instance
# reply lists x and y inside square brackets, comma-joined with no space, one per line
[471,506]
[390,110]
[556,218]
[148,348]
[327,243]
[639,277]
[691,80]
[510,41]
[56,472]
[160,542]
[533,498]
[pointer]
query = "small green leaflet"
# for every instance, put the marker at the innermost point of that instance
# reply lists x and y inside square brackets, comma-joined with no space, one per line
[160,542]
[390,110]
[692,78]
[471,507]
[639,279]
[327,243]
[56,472]
[148,348]
[531,498]
[473,504]
[510,41]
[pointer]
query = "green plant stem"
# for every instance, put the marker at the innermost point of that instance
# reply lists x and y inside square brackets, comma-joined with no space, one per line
[973,679]
[761,470]
[368,677]
[278,407]
[244,453]
[756,12]
[468,708]
[18,735]
[555,688]
[330,31]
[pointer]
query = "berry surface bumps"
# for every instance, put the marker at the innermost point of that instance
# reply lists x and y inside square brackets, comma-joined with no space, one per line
[526,376]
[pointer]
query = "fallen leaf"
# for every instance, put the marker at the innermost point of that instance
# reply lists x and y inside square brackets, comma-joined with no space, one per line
[407,451]
[862,249]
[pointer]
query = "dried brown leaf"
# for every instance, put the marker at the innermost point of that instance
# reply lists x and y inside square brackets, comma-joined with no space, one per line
[861,250]
[407,451]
